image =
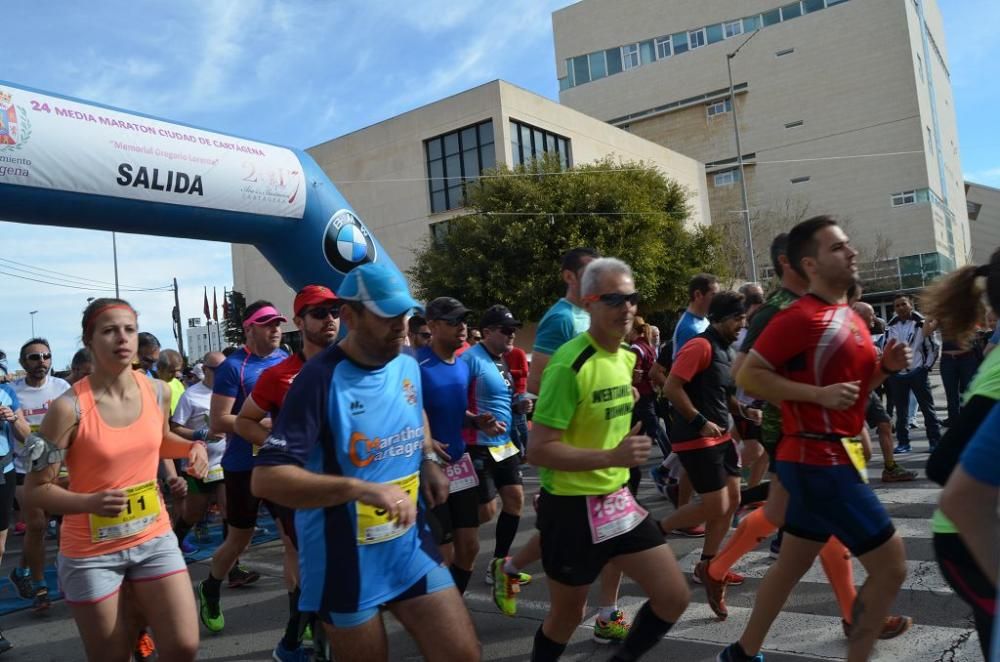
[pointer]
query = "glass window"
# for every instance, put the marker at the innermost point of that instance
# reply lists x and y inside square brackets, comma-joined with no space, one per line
[904,198]
[581,70]
[727,177]
[630,56]
[565,83]
[433,149]
[468,137]
[647,52]
[680,42]
[715,33]
[772,17]
[451,144]
[435,170]
[525,140]
[470,163]
[663,49]
[598,68]
[751,23]
[447,175]
[614,58]
[788,12]
[718,108]
[830,3]
[734,28]
[809,6]
[534,142]
[696,38]
[485,134]
[538,141]
[564,152]
[439,202]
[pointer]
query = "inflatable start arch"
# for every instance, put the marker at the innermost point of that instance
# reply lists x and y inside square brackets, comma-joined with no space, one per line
[68,162]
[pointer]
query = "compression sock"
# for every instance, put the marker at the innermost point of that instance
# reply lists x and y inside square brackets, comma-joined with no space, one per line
[753,530]
[181,529]
[836,561]
[292,639]
[647,630]
[461,577]
[545,650]
[506,530]
[212,586]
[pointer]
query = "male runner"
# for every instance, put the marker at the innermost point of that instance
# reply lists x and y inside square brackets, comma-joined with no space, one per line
[12,425]
[234,381]
[582,443]
[817,359]
[350,454]
[317,317]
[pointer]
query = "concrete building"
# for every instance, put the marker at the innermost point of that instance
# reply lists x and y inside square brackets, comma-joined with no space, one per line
[844,107]
[202,339]
[984,220]
[403,175]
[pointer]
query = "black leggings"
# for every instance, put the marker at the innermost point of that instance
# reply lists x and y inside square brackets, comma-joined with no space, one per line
[969,583]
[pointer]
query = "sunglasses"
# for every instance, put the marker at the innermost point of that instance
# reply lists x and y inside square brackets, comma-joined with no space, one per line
[615,299]
[323,313]
[452,323]
[38,356]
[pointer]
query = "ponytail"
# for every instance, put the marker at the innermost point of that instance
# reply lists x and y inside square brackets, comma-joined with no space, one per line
[956,302]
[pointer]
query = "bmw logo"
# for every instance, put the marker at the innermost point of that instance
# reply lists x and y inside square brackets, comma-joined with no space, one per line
[347,242]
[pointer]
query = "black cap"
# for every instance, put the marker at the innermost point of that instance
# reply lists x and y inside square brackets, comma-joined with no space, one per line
[445,308]
[725,305]
[498,316]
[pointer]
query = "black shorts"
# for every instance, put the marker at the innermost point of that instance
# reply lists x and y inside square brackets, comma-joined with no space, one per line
[569,554]
[875,411]
[711,468]
[284,516]
[7,499]
[241,504]
[20,478]
[747,429]
[492,474]
[460,511]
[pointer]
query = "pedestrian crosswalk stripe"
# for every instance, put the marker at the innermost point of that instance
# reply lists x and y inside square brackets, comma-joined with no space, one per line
[908,495]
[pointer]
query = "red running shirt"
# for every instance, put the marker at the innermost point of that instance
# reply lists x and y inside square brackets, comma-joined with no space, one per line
[814,342]
[273,384]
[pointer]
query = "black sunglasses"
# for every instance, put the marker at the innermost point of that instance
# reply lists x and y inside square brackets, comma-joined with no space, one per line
[452,323]
[38,356]
[615,299]
[323,313]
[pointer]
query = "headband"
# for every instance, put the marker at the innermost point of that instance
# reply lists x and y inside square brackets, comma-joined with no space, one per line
[88,321]
[260,314]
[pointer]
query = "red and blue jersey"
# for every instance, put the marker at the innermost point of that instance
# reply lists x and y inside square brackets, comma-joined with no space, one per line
[491,390]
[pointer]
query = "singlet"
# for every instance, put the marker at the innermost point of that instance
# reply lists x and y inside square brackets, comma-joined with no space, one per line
[818,343]
[35,404]
[587,393]
[235,378]
[445,398]
[192,412]
[101,457]
[491,389]
[688,326]
[344,419]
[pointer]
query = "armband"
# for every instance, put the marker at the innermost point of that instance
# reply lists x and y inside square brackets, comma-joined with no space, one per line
[39,453]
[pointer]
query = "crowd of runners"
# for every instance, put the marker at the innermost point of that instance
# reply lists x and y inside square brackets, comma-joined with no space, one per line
[384,444]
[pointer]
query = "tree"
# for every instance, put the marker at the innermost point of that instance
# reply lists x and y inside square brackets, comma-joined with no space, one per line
[232,329]
[521,221]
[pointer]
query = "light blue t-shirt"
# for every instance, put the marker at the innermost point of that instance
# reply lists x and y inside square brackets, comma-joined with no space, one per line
[981,458]
[8,398]
[491,389]
[688,326]
[560,324]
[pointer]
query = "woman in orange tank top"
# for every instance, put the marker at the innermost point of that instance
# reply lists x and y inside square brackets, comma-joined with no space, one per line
[113,425]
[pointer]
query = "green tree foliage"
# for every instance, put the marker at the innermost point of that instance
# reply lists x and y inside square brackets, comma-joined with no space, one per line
[232,329]
[508,248]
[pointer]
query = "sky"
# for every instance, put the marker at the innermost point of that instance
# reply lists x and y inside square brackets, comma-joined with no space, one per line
[299,73]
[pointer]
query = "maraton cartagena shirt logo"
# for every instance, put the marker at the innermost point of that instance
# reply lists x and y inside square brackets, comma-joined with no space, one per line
[347,243]
[15,125]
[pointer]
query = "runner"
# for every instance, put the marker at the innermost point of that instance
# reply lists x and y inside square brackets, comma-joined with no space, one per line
[34,391]
[349,453]
[581,441]
[816,358]
[234,380]
[111,430]
[317,317]
[12,426]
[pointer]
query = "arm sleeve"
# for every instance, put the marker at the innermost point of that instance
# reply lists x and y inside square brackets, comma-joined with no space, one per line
[227,380]
[301,424]
[981,458]
[783,338]
[557,398]
[695,356]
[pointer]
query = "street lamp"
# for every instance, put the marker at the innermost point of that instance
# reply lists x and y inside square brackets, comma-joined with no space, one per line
[752,264]
[32,313]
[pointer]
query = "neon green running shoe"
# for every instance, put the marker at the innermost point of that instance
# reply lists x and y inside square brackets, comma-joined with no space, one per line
[210,611]
[613,631]
[505,588]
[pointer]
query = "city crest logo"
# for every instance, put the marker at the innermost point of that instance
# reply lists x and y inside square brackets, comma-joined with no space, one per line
[15,126]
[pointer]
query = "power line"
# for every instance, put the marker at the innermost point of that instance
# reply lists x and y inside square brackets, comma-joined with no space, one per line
[84,287]
[62,275]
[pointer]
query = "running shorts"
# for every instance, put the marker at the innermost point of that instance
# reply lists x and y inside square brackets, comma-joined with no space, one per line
[284,516]
[569,555]
[875,411]
[438,579]
[711,468]
[460,511]
[91,579]
[198,486]
[7,490]
[833,501]
[241,505]
[492,474]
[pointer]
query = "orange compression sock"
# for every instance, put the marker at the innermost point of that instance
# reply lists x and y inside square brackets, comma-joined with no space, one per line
[754,529]
[836,561]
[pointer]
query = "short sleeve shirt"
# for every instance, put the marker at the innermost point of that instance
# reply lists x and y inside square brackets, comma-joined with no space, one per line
[491,390]
[981,458]
[587,393]
[344,419]
[272,386]
[445,398]
[818,343]
[560,324]
[692,359]
[35,404]
[8,398]
[688,326]
[192,412]
[235,378]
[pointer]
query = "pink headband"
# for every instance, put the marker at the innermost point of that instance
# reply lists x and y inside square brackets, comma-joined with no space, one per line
[265,315]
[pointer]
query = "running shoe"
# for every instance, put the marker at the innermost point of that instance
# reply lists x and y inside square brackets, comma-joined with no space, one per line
[145,648]
[660,480]
[241,575]
[41,601]
[901,448]
[22,582]
[732,579]
[523,578]
[715,590]
[505,588]
[282,654]
[690,532]
[20,529]
[5,644]
[613,631]
[897,474]
[892,628]
[210,611]
[733,653]
[775,547]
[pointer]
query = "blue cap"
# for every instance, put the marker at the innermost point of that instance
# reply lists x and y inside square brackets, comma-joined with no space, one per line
[381,289]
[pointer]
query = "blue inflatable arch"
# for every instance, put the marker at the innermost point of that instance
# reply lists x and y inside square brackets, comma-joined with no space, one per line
[68,162]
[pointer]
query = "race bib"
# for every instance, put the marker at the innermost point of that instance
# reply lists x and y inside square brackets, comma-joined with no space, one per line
[856,451]
[141,510]
[501,453]
[613,515]
[214,474]
[461,475]
[374,525]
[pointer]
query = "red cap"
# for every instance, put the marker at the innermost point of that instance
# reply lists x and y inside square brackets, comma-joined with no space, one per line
[310,295]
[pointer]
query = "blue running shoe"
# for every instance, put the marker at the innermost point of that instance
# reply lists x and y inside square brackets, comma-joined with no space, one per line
[901,448]
[660,480]
[282,654]
[733,653]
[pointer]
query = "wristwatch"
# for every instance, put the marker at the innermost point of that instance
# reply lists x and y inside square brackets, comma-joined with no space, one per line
[431,456]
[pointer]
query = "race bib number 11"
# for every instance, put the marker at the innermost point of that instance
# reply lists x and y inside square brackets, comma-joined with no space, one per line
[141,510]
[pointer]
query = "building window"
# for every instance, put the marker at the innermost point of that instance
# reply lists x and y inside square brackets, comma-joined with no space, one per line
[455,158]
[614,58]
[716,33]
[697,39]
[646,52]
[904,198]
[800,180]
[784,52]
[809,6]
[788,12]
[727,177]
[598,68]
[792,125]
[680,42]
[663,48]
[732,28]
[581,70]
[772,17]
[528,143]
[751,23]
[630,56]
[718,108]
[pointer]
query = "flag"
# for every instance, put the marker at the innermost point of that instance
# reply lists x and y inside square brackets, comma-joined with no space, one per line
[215,306]
[208,317]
